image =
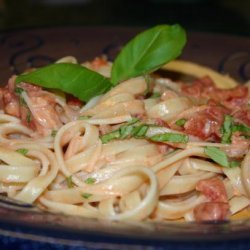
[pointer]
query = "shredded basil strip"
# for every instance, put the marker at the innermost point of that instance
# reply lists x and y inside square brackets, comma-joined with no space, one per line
[84,117]
[181,122]
[220,157]
[71,78]
[170,137]
[233,164]
[140,131]
[131,129]
[90,180]
[69,181]
[53,132]
[22,101]
[227,129]
[133,121]
[86,195]
[22,151]
[241,128]
[28,117]
[155,95]
[125,131]
[110,136]
[137,130]
[18,90]
[217,155]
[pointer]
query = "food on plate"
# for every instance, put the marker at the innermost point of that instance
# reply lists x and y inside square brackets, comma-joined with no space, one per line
[120,141]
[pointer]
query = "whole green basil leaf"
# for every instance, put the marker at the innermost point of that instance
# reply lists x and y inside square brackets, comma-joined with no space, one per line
[70,78]
[148,51]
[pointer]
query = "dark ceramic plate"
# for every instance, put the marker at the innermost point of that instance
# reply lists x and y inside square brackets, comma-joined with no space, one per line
[24,227]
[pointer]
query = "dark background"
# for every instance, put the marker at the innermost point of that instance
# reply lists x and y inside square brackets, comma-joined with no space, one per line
[220,16]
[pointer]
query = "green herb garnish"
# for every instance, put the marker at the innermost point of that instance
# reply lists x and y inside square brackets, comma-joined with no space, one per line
[140,131]
[110,136]
[69,181]
[133,121]
[70,78]
[233,164]
[28,116]
[217,155]
[22,151]
[240,128]
[170,137]
[90,180]
[22,101]
[137,130]
[125,131]
[155,95]
[220,157]
[18,90]
[148,51]
[53,132]
[86,195]
[181,122]
[84,117]
[227,129]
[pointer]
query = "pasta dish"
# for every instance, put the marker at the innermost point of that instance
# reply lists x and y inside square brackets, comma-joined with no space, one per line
[147,148]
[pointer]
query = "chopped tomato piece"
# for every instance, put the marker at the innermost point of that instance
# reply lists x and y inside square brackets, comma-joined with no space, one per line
[41,113]
[199,88]
[205,88]
[206,124]
[211,211]
[213,189]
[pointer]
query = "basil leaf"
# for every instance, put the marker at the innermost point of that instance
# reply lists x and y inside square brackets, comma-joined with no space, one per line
[148,51]
[227,129]
[217,155]
[70,78]
[170,137]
